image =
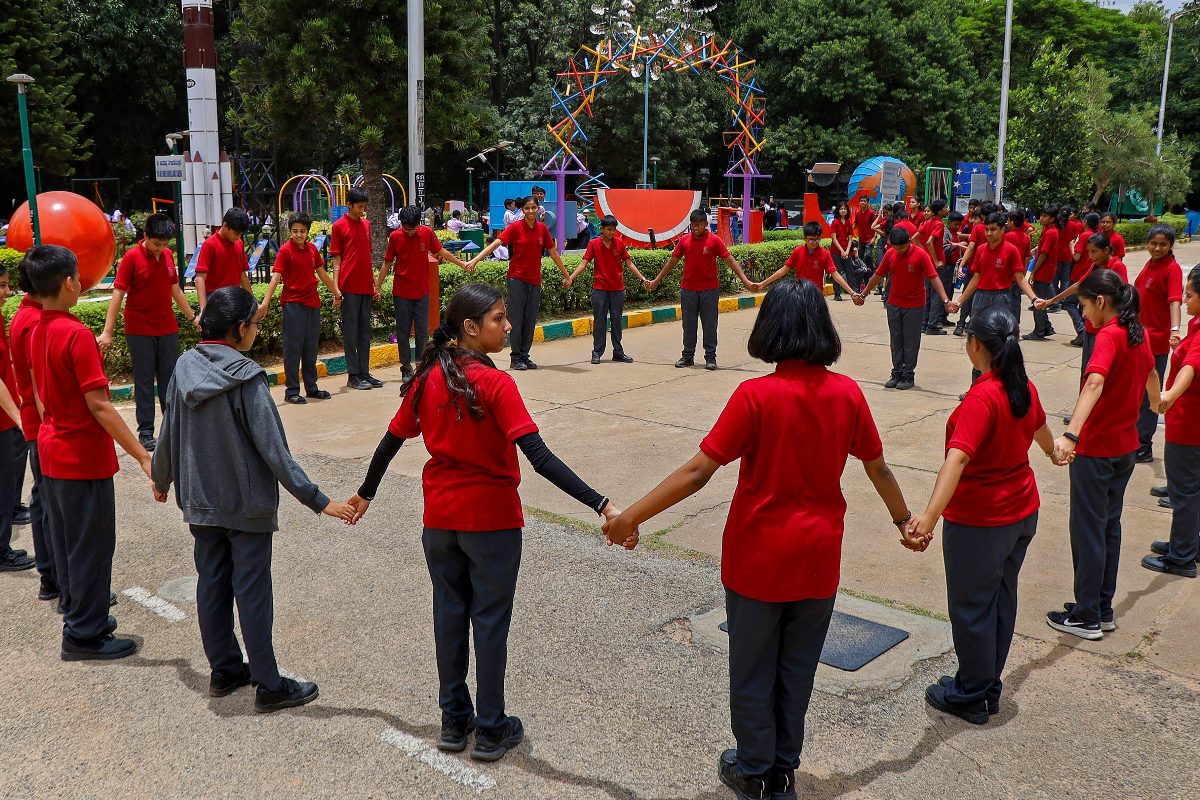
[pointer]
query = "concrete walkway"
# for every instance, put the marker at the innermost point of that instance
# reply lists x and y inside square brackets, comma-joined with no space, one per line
[614,666]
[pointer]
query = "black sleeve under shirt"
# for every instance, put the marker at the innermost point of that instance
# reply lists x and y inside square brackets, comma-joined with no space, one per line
[389,445]
[550,467]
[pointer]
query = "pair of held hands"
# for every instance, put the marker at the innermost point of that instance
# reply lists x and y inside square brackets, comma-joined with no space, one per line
[105,339]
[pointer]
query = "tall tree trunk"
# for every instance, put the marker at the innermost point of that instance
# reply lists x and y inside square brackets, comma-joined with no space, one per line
[377,208]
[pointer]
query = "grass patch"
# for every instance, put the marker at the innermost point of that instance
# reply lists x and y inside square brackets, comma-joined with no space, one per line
[565,521]
[884,601]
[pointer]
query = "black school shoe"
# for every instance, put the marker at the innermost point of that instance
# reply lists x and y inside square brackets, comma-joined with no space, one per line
[360,384]
[1144,455]
[221,684]
[1160,564]
[1159,491]
[12,561]
[319,394]
[595,358]
[48,589]
[518,365]
[684,362]
[993,706]
[148,442]
[746,788]
[977,714]
[294,399]
[453,738]
[1077,341]
[493,746]
[905,385]
[529,363]
[711,365]
[622,358]
[105,648]
[290,694]
[1165,502]
[782,784]
[21,515]
[371,379]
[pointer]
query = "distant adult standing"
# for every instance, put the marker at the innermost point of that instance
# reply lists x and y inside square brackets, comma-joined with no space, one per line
[544,215]
[350,246]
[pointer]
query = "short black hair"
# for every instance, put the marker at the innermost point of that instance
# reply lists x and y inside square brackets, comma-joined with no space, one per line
[794,322]
[537,189]
[159,226]
[356,195]
[236,219]
[608,221]
[410,215]
[996,218]
[954,216]
[47,266]
[456,214]
[300,218]
[937,205]
[698,216]
[898,236]
[227,309]
[812,229]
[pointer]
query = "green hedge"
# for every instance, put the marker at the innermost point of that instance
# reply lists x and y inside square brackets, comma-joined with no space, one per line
[765,258]
[783,235]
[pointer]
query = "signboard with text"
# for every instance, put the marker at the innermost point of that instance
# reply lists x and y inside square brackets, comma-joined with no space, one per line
[168,168]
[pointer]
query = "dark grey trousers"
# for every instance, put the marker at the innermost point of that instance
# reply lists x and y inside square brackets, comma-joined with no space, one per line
[43,555]
[982,565]
[1147,421]
[1041,319]
[474,576]
[356,334]
[20,467]
[1089,343]
[523,301]
[702,305]
[1183,487]
[153,359]
[989,298]
[12,443]
[904,324]
[1018,297]
[1075,312]
[412,316]
[935,310]
[607,310]
[301,339]
[773,653]
[83,516]
[1097,498]
[1062,276]
[236,565]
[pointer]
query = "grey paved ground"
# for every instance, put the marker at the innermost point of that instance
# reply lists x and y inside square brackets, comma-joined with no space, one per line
[619,699]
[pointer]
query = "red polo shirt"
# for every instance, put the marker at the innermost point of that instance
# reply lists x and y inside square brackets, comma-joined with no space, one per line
[1183,417]
[221,262]
[997,485]
[908,226]
[931,233]
[1020,240]
[812,266]
[1048,244]
[410,275]
[67,365]
[8,376]
[863,222]
[1066,239]
[21,332]
[793,431]
[147,282]
[1110,430]
[1081,268]
[700,254]
[1118,244]
[996,267]
[909,273]
[298,268]
[470,481]
[843,231]
[525,245]
[351,239]
[608,264]
[1159,284]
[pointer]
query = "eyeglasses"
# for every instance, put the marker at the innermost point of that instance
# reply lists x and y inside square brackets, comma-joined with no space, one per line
[259,325]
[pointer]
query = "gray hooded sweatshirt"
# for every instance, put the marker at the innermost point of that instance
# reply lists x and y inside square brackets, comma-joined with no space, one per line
[222,444]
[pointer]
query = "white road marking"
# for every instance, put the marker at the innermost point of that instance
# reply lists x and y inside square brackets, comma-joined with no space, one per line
[450,767]
[155,604]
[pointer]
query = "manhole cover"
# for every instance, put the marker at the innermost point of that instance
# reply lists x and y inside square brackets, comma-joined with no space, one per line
[854,642]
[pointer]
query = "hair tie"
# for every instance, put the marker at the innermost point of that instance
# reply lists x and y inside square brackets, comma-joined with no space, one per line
[442,334]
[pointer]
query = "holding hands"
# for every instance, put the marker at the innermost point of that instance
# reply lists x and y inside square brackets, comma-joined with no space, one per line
[917,532]
[858,299]
[342,511]
[619,529]
[1064,451]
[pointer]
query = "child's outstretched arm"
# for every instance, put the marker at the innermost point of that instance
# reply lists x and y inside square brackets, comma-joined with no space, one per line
[102,409]
[267,295]
[162,462]
[676,487]
[385,451]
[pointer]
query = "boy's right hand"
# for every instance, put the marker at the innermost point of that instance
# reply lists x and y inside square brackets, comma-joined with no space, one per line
[342,511]
[104,340]
[262,311]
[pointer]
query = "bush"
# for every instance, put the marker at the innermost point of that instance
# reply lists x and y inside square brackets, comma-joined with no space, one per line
[783,235]
[10,259]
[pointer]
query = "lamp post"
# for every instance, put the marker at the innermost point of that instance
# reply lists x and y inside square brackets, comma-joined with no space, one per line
[1004,74]
[1162,101]
[173,140]
[22,80]
[470,190]
[654,160]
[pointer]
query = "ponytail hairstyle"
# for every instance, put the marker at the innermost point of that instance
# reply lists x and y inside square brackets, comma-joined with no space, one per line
[1092,221]
[227,309]
[1193,280]
[1124,298]
[1063,217]
[997,330]
[1165,231]
[1100,241]
[471,302]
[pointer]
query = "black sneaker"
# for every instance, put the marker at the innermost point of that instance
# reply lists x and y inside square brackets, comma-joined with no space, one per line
[1064,622]
[519,366]
[529,363]
[935,695]
[623,359]
[148,442]
[1144,455]
[1159,491]
[1077,341]
[21,515]
[371,379]
[454,735]
[905,385]
[112,599]
[12,562]
[744,787]
[891,383]
[290,694]
[294,399]
[1165,502]
[492,746]
[1160,564]
[221,684]
[960,330]
[1106,625]
[684,362]
[711,365]
[406,373]
[595,358]
[110,626]
[17,551]
[319,394]
[934,332]
[947,682]
[1034,337]
[782,784]
[48,590]
[360,384]
[105,648]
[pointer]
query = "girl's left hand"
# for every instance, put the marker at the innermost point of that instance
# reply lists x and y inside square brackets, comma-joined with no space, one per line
[1064,451]
[1174,340]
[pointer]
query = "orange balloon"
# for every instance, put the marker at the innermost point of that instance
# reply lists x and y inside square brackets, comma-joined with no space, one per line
[76,223]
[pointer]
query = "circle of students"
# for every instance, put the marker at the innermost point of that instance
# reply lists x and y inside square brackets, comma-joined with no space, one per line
[221,443]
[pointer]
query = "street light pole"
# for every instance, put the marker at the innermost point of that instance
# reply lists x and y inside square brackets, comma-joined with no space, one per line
[655,161]
[646,124]
[22,80]
[1162,101]
[470,190]
[1004,74]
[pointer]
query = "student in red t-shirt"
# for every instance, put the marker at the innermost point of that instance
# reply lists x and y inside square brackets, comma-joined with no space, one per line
[811,262]
[915,213]
[1100,443]
[987,494]
[700,289]
[1099,257]
[929,239]
[75,444]
[1108,226]
[350,247]
[527,239]
[409,249]
[222,260]
[608,258]
[910,269]
[1181,456]
[1069,228]
[12,447]
[1016,233]
[783,537]
[146,283]
[864,224]
[472,419]
[843,234]
[1160,293]
[298,265]
[1045,266]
